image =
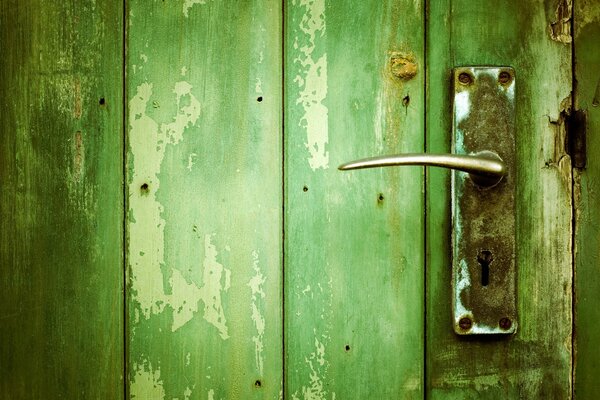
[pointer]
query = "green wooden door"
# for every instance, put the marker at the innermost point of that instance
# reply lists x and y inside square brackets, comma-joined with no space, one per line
[174,225]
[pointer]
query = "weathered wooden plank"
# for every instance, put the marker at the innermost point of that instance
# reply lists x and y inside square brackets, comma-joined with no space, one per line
[204,211]
[61,211]
[536,362]
[353,240]
[587,245]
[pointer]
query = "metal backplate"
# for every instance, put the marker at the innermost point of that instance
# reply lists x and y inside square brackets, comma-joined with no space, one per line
[483,232]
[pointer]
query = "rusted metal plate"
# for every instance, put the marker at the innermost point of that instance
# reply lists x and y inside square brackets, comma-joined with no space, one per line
[483,234]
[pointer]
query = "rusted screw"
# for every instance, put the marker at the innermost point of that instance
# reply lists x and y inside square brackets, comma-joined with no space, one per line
[465,323]
[504,77]
[505,323]
[465,78]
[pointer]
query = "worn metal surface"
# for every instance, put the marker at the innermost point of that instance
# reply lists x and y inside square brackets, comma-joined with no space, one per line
[484,168]
[534,363]
[483,218]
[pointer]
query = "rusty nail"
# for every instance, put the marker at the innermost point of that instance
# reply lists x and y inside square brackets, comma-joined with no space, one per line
[504,77]
[505,323]
[465,78]
[465,323]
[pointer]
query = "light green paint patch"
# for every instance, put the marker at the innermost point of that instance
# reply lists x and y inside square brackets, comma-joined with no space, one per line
[216,280]
[215,165]
[186,394]
[187,4]
[257,309]
[146,383]
[148,144]
[318,369]
[313,82]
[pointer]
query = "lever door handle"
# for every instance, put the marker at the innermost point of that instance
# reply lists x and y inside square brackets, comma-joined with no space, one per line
[484,261]
[485,168]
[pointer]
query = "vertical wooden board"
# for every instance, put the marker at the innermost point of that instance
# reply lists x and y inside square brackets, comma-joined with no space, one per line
[587,222]
[533,38]
[61,211]
[204,199]
[353,240]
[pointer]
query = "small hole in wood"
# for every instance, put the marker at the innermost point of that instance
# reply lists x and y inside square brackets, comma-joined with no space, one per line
[347,347]
[259,99]
[406,101]
[102,101]
[305,189]
[258,384]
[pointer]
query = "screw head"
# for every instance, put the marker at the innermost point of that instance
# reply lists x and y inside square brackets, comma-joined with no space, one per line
[465,78]
[505,323]
[504,77]
[465,323]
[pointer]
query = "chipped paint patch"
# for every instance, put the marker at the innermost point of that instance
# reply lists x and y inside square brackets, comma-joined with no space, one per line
[257,311]
[187,4]
[318,365]
[560,28]
[216,280]
[146,233]
[191,161]
[312,81]
[146,382]
[316,361]
[211,394]
[152,294]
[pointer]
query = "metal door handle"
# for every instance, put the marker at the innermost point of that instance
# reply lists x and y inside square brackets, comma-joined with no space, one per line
[484,262]
[485,168]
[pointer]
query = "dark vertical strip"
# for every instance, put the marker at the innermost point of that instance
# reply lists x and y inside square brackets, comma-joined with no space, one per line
[125,204]
[573,214]
[425,183]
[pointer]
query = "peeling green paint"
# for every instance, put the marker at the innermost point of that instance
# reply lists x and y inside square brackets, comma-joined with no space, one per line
[312,79]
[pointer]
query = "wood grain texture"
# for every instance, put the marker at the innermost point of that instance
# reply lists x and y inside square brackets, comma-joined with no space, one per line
[204,199]
[587,253]
[536,362]
[354,75]
[61,211]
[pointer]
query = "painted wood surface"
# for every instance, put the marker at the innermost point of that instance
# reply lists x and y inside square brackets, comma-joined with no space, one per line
[204,199]
[61,211]
[587,221]
[535,363]
[354,79]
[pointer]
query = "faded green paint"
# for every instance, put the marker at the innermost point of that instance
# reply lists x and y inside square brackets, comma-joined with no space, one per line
[536,362]
[354,80]
[587,250]
[61,211]
[205,151]
[204,200]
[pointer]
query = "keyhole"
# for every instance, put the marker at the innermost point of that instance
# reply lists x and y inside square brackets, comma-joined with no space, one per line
[485,258]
